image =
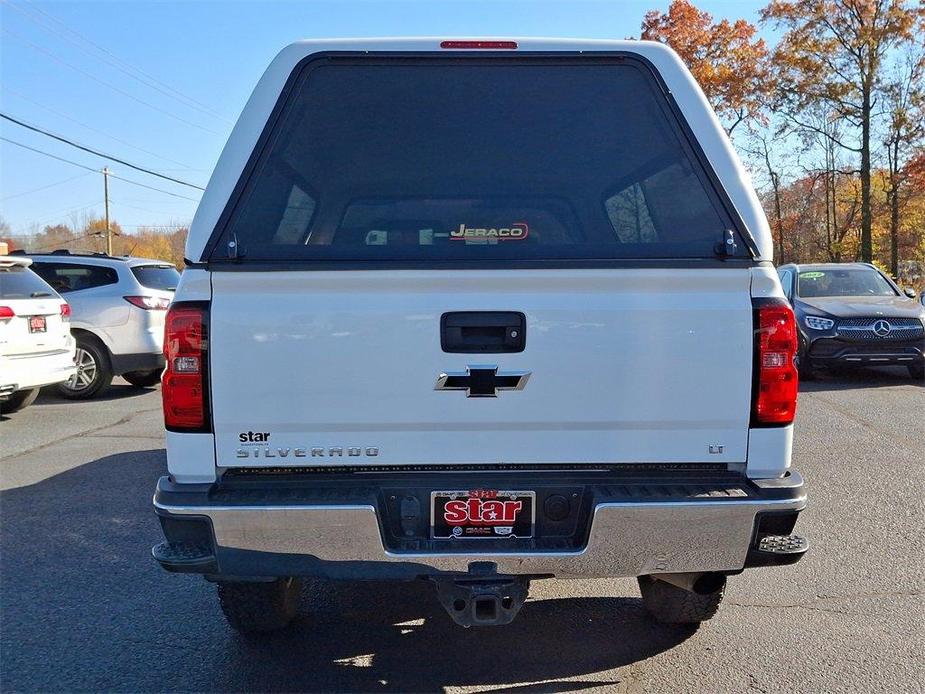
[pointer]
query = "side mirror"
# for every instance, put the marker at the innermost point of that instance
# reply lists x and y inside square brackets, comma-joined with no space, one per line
[909,292]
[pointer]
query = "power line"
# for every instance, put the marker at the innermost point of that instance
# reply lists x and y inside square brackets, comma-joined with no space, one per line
[112,60]
[120,203]
[88,168]
[50,185]
[53,156]
[97,152]
[154,227]
[61,114]
[93,77]
[159,190]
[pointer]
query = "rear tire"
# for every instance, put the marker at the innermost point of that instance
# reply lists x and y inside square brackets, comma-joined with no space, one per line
[143,379]
[19,400]
[94,373]
[260,607]
[917,371]
[672,605]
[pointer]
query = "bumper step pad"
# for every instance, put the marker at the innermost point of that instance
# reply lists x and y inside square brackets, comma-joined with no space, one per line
[777,550]
[185,557]
[783,544]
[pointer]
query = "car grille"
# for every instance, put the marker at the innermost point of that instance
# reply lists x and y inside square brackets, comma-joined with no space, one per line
[826,347]
[868,328]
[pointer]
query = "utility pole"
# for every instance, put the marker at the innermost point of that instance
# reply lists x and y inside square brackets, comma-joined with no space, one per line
[106,198]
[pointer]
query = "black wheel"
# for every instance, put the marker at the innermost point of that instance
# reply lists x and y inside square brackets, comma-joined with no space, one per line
[94,373]
[260,607]
[917,371]
[673,605]
[143,379]
[19,400]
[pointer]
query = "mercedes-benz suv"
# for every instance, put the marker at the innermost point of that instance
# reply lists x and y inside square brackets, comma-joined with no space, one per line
[852,314]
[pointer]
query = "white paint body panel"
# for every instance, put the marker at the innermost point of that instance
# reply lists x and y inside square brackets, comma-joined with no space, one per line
[626,366]
[191,457]
[769,452]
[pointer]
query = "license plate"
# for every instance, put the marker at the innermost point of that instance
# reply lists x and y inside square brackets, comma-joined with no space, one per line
[482,513]
[37,324]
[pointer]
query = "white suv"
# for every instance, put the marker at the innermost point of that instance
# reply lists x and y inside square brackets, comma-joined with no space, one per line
[118,305]
[36,347]
[479,312]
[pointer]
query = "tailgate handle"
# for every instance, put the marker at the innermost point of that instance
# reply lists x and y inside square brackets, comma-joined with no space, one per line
[483,332]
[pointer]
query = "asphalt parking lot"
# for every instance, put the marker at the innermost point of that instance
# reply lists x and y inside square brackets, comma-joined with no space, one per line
[84,607]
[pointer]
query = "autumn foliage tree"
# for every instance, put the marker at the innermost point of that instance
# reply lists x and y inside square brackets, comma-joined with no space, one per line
[833,56]
[729,63]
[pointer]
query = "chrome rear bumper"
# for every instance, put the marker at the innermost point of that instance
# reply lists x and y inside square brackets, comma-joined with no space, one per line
[625,539]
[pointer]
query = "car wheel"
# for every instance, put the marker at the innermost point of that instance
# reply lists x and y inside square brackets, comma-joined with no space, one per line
[19,400]
[917,371]
[94,374]
[143,379]
[259,607]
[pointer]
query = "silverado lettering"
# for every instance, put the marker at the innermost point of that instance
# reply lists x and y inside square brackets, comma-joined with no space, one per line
[303,452]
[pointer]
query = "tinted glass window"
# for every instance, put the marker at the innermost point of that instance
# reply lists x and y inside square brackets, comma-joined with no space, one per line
[68,277]
[157,276]
[467,160]
[22,283]
[843,282]
[786,280]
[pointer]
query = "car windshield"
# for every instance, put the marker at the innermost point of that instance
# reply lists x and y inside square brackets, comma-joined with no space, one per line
[520,160]
[842,282]
[22,283]
[164,277]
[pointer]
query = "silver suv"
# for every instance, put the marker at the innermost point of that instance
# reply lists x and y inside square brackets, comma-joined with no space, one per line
[118,306]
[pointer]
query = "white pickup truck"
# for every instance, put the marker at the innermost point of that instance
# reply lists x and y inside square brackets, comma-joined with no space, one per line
[479,312]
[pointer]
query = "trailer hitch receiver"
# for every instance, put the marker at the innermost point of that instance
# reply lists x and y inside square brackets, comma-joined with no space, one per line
[482,599]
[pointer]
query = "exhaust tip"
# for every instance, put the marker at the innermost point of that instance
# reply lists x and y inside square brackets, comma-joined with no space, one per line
[709,583]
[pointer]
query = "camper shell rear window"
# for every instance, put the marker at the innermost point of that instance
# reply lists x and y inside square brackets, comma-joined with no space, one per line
[444,159]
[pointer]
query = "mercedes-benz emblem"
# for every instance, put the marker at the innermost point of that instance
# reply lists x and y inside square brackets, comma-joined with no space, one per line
[882,328]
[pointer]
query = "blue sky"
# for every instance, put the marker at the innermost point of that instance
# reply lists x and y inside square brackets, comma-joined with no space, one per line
[67,66]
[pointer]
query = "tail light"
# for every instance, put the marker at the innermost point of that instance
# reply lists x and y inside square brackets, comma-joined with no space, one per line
[774,391]
[148,303]
[66,312]
[184,386]
[6,313]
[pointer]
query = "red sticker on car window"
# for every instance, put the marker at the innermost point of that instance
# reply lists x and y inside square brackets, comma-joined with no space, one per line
[515,232]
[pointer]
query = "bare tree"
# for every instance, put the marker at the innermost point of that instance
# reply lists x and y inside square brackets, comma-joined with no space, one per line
[904,105]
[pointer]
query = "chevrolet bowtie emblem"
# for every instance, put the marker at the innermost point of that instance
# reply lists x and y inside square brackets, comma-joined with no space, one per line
[482,381]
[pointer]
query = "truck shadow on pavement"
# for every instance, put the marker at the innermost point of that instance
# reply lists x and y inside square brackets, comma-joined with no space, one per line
[84,606]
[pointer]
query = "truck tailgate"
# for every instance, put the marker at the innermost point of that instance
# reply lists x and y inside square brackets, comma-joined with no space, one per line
[327,368]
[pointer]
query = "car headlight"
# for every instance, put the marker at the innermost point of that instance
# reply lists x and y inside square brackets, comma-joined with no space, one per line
[817,323]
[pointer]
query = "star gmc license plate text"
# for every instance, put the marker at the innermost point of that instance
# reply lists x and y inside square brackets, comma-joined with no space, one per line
[482,513]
